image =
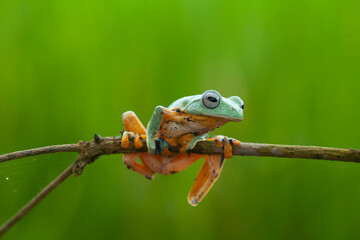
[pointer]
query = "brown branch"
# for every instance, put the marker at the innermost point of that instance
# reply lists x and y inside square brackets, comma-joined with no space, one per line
[111,145]
[40,151]
[89,151]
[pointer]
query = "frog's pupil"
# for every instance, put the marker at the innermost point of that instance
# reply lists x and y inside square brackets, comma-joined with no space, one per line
[243,106]
[212,99]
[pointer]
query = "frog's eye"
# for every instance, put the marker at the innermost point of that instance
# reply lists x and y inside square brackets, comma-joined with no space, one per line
[243,106]
[211,99]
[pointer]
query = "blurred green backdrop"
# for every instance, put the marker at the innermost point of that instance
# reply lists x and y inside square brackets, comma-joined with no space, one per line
[69,69]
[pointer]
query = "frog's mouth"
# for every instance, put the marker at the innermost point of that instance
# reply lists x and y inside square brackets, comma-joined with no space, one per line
[224,117]
[236,119]
[235,116]
[227,118]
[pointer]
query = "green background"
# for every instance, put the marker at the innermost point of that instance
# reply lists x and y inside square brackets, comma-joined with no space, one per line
[69,69]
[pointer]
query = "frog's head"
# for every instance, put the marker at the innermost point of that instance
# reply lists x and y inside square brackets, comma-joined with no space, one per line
[211,103]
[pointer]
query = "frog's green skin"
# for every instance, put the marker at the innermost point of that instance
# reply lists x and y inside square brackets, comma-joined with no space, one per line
[230,108]
[227,109]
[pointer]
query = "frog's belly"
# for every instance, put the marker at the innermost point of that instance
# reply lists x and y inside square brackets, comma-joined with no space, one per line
[178,129]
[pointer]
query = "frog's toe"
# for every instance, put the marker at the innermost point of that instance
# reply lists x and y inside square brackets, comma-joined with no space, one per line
[131,136]
[161,146]
[234,142]
[227,148]
[137,141]
[226,143]
[125,142]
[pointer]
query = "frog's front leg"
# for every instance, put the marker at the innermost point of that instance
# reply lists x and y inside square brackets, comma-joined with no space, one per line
[221,142]
[160,114]
[153,128]
[206,178]
[189,145]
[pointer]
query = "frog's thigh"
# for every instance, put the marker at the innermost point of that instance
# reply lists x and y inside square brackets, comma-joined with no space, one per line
[130,161]
[152,161]
[132,123]
[179,163]
[206,178]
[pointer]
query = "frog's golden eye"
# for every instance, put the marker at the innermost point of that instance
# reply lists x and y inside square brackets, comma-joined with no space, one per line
[211,99]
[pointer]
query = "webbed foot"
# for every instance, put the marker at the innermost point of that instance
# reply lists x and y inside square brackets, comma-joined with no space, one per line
[206,178]
[225,143]
[128,137]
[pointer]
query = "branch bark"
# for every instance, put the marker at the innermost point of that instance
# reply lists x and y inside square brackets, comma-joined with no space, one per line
[40,151]
[89,151]
[111,145]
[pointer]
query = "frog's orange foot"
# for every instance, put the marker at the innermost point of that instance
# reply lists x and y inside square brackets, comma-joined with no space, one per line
[134,137]
[162,146]
[206,178]
[225,143]
[234,142]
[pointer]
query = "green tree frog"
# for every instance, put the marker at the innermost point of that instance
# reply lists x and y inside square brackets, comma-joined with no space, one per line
[185,122]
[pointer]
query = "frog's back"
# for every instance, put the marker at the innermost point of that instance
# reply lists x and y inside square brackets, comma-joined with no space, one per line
[184,102]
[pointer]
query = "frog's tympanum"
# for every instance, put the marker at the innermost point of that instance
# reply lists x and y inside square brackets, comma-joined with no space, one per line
[185,122]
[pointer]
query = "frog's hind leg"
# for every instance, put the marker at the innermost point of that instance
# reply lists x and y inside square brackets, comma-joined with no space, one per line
[133,128]
[159,163]
[131,163]
[132,124]
[169,164]
[206,178]
[180,163]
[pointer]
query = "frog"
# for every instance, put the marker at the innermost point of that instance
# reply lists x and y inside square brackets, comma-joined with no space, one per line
[181,126]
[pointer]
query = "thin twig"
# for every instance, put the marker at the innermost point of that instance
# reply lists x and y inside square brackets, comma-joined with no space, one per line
[39,151]
[25,209]
[89,151]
